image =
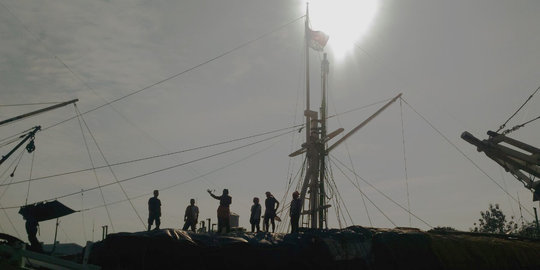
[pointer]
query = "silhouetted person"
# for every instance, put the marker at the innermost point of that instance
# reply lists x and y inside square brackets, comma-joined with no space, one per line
[154,211]
[255,218]
[223,212]
[191,216]
[294,211]
[32,229]
[271,206]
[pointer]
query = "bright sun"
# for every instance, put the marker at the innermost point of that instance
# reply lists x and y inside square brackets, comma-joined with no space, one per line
[345,21]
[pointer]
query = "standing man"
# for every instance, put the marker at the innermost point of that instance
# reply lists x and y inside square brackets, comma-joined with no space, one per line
[223,212]
[255,218]
[154,210]
[294,211]
[32,229]
[271,205]
[191,216]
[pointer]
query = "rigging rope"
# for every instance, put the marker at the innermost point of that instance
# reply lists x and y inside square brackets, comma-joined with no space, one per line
[5,190]
[168,168]
[157,156]
[349,152]
[463,153]
[82,215]
[184,71]
[522,105]
[405,161]
[30,177]
[93,168]
[516,127]
[357,187]
[386,196]
[110,168]
[186,181]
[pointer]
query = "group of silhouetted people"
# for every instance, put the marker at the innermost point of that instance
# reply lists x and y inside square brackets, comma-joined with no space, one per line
[191,215]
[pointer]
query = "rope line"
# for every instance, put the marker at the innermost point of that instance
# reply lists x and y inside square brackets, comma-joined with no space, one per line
[184,71]
[18,159]
[156,156]
[516,127]
[349,153]
[405,161]
[110,168]
[357,187]
[520,107]
[463,154]
[93,168]
[30,177]
[386,196]
[184,182]
[166,168]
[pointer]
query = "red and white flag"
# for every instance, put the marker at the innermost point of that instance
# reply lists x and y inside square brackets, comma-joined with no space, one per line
[316,39]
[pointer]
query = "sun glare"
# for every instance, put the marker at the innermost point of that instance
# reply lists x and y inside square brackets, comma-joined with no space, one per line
[345,21]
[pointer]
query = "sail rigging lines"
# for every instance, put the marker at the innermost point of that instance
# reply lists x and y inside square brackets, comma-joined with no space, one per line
[405,160]
[184,71]
[360,190]
[291,128]
[519,109]
[109,167]
[167,168]
[379,191]
[79,117]
[463,154]
[183,182]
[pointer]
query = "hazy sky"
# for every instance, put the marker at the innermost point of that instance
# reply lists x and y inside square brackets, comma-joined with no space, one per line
[236,69]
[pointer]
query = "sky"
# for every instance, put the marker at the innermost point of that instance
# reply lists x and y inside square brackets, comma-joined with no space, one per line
[167,76]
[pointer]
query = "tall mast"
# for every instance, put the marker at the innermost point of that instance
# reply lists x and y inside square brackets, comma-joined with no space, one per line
[306,35]
[325,66]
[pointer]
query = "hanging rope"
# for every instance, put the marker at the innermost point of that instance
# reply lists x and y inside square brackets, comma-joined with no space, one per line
[17,160]
[82,215]
[405,162]
[349,152]
[388,197]
[522,105]
[30,177]
[462,153]
[111,170]
[93,168]
[357,187]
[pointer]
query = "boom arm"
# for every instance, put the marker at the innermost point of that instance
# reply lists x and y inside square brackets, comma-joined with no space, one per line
[518,163]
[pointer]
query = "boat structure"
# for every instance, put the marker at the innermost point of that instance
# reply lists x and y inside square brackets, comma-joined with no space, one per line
[318,244]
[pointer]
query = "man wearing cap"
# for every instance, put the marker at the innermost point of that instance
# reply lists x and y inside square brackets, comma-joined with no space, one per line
[294,211]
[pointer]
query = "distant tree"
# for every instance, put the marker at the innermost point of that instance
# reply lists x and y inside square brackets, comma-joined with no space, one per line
[494,221]
[528,230]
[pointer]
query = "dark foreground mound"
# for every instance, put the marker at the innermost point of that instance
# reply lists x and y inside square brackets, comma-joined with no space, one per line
[351,248]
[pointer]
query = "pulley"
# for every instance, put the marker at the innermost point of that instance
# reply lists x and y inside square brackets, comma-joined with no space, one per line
[30,147]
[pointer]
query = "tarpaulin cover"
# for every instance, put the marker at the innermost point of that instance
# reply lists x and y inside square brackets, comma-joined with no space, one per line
[351,248]
[45,210]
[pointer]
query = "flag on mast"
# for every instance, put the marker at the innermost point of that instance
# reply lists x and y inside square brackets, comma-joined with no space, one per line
[316,39]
